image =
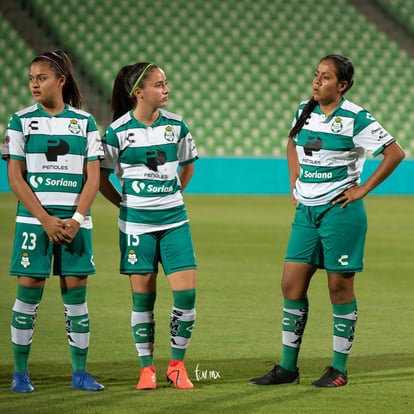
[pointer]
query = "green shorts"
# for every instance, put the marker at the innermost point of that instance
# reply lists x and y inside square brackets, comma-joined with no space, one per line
[33,252]
[329,237]
[173,248]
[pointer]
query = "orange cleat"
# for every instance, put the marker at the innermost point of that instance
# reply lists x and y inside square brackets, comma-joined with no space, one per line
[177,375]
[147,379]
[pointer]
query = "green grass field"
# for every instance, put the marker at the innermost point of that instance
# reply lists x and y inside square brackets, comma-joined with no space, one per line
[240,244]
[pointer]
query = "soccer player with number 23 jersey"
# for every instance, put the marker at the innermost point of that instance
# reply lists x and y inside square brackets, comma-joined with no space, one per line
[53,151]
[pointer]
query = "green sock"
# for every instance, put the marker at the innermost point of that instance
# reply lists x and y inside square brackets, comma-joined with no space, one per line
[77,325]
[344,323]
[295,316]
[23,320]
[182,322]
[143,326]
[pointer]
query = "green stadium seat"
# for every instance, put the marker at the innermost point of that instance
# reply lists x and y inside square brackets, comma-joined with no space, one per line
[237,63]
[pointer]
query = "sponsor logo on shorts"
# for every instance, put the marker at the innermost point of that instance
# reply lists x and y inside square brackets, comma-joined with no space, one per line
[343,260]
[25,261]
[132,257]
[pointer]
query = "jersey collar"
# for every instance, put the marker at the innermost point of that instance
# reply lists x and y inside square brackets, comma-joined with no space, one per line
[329,117]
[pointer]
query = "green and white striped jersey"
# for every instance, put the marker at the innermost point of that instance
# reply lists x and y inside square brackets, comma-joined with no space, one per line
[145,160]
[55,149]
[332,150]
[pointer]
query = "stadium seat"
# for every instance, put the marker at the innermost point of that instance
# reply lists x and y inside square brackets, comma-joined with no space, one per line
[237,63]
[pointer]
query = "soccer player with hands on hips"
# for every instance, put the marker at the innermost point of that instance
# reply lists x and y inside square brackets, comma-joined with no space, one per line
[53,151]
[326,151]
[145,146]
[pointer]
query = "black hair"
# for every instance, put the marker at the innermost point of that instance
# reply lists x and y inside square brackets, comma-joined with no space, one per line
[123,98]
[344,70]
[60,64]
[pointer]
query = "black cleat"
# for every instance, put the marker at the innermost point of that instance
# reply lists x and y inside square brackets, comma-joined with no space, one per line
[277,375]
[331,378]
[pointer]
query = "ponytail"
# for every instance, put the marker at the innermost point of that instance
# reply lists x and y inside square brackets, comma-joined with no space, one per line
[307,110]
[121,101]
[126,81]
